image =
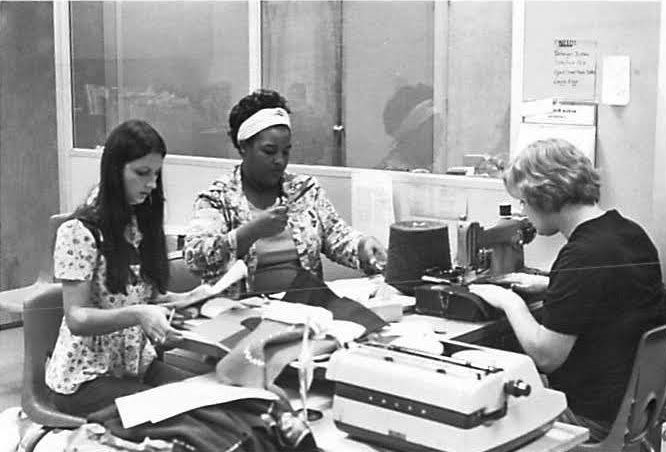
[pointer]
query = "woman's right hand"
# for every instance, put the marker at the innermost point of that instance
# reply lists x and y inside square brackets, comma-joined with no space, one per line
[269,222]
[154,322]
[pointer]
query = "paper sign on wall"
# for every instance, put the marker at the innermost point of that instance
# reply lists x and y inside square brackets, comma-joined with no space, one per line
[616,84]
[583,137]
[574,69]
[372,203]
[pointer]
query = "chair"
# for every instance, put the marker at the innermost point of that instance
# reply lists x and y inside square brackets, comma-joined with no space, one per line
[12,300]
[181,278]
[42,315]
[643,402]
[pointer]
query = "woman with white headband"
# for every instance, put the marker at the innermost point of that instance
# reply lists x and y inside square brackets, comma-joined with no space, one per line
[277,222]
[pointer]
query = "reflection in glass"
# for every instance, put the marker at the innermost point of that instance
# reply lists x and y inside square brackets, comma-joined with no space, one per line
[408,118]
[178,70]
[360,77]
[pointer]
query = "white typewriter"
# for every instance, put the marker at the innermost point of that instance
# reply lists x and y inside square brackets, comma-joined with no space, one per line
[468,399]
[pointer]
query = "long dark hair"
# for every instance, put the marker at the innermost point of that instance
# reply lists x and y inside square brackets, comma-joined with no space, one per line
[110,212]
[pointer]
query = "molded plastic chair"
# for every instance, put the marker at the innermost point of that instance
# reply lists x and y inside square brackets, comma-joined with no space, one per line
[12,300]
[42,314]
[182,279]
[643,400]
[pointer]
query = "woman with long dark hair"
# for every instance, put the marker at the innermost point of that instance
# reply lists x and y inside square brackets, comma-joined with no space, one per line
[112,261]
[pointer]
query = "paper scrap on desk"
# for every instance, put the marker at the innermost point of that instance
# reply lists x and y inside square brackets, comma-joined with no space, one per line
[216,306]
[368,289]
[357,289]
[160,403]
[372,203]
[194,337]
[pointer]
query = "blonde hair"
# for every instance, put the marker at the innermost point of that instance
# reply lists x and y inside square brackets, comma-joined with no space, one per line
[550,174]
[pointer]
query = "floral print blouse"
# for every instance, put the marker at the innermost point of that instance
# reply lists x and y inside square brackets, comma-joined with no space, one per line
[126,352]
[314,224]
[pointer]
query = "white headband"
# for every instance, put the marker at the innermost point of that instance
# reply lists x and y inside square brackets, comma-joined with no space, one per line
[263,119]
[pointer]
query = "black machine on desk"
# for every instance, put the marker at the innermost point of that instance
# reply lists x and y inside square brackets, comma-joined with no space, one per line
[484,255]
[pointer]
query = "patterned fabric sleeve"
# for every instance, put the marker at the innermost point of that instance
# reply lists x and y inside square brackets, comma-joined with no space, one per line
[340,241]
[75,252]
[207,249]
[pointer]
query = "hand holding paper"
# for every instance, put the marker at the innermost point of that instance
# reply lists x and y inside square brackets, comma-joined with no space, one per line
[203,292]
[235,273]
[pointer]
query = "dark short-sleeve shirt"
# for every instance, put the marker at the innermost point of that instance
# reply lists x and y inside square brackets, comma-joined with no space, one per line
[605,288]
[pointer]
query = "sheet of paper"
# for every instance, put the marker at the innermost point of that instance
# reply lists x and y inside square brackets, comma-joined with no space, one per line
[583,137]
[537,107]
[216,306]
[416,201]
[574,68]
[235,273]
[369,291]
[169,400]
[616,83]
[357,289]
[372,203]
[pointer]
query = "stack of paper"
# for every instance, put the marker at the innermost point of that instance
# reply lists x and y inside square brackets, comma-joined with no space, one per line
[163,402]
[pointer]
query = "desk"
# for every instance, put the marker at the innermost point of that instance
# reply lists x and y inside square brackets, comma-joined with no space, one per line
[561,437]
[200,357]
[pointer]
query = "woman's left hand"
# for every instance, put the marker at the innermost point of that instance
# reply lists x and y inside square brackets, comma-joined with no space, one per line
[371,255]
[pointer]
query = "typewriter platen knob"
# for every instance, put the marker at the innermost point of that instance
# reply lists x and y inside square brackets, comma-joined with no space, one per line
[517,388]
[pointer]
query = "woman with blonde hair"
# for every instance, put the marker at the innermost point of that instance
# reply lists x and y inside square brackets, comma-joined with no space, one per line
[604,291]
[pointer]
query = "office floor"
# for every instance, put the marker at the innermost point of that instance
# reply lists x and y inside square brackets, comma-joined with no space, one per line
[11,367]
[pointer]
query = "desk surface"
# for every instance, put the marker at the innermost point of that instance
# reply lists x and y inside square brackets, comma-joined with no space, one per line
[561,437]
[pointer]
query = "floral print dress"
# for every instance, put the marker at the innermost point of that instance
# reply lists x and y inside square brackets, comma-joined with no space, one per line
[123,353]
[314,224]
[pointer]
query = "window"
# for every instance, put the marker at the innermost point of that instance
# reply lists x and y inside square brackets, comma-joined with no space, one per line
[404,85]
[178,65]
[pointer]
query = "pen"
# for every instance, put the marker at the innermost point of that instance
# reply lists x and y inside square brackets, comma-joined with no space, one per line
[173,310]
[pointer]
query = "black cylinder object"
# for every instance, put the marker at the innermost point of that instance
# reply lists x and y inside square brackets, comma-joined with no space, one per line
[415,246]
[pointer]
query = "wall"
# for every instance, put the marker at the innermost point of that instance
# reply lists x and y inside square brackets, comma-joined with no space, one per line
[28,152]
[626,134]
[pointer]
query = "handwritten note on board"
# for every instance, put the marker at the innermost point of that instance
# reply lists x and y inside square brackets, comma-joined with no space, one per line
[574,69]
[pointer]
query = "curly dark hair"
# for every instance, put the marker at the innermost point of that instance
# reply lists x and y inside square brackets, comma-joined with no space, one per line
[249,105]
[110,213]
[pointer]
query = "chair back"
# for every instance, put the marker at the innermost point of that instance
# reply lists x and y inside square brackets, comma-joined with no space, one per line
[12,300]
[643,402]
[181,279]
[42,315]
[46,271]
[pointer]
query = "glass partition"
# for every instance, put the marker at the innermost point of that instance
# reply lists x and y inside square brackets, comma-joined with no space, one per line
[399,85]
[178,65]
